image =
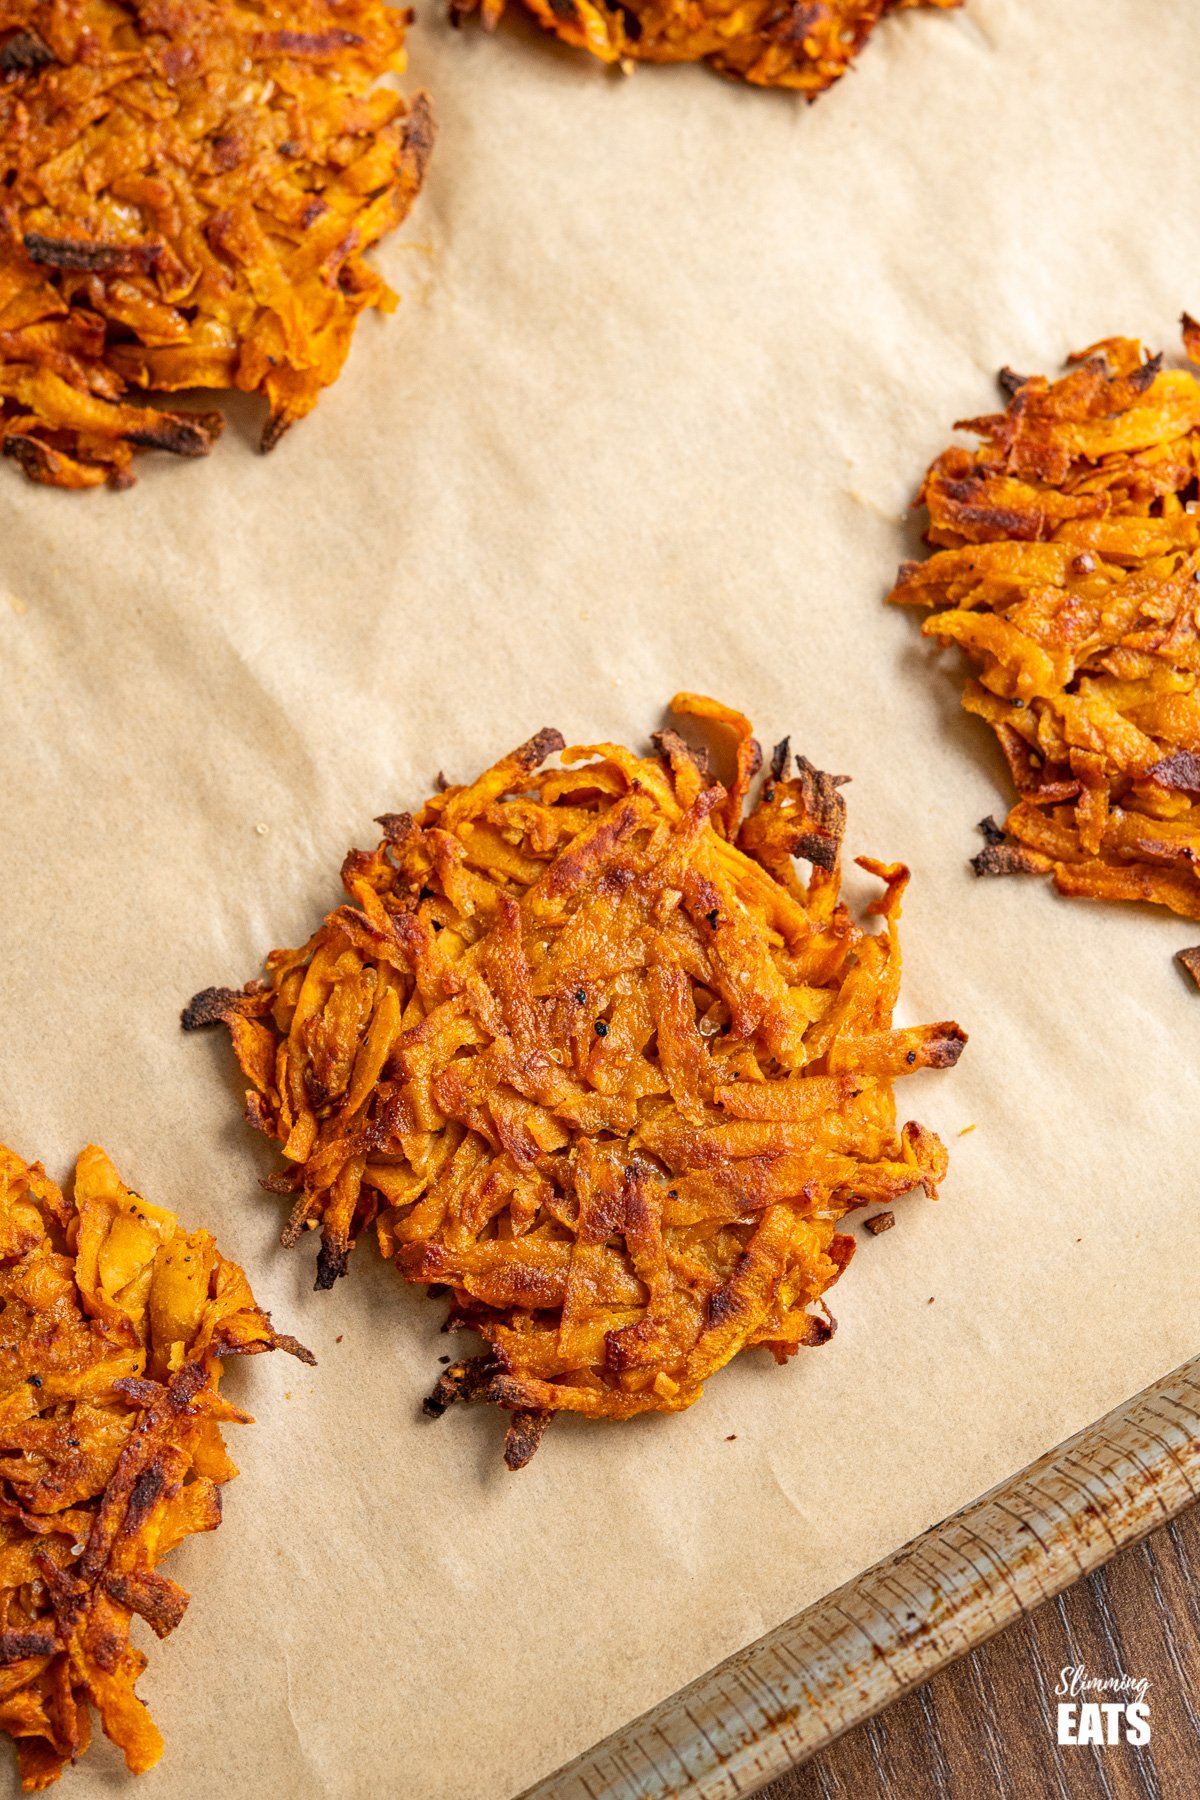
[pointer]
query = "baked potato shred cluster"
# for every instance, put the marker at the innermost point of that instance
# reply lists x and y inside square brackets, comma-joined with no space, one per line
[113,1321]
[806,45]
[187,191]
[1067,568]
[591,1057]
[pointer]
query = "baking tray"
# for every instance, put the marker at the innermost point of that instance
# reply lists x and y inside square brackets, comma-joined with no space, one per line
[776,1703]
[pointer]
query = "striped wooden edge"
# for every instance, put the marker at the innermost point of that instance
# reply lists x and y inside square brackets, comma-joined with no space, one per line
[772,1705]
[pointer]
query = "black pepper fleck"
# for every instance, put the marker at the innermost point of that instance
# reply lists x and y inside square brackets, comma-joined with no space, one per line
[601,1028]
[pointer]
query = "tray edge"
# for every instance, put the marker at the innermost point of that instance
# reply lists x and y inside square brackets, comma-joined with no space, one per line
[769,1707]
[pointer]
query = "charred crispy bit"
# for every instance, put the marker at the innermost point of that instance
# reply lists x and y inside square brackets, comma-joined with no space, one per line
[216,1004]
[1190,960]
[113,1323]
[880,1222]
[589,1055]
[189,191]
[20,52]
[1008,859]
[1066,565]
[802,44]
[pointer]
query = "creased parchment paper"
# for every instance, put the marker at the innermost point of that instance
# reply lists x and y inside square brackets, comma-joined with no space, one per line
[671,360]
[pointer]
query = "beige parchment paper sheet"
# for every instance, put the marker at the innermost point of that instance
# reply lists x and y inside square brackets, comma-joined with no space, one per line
[671,359]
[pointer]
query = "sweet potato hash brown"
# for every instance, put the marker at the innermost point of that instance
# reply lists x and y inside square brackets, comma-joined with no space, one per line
[113,1321]
[802,44]
[592,1058]
[187,191]
[1067,568]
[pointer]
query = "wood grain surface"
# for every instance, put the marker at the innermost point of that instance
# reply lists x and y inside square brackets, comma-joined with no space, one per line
[984,1728]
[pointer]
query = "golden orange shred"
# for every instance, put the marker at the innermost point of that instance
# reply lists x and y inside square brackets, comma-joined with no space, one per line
[113,1321]
[1067,567]
[189,190]
[588,1053]
[806,45]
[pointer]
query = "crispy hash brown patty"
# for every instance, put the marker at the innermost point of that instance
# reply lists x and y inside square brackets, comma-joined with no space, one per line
[802,44]
[187,190]
[592,1058]
[113,1321]
[1068,570]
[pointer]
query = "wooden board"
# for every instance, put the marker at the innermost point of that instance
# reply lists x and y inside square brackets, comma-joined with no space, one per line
[773,1704]
[986,1726]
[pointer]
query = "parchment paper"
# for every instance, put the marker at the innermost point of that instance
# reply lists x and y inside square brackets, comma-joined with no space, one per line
[672,358]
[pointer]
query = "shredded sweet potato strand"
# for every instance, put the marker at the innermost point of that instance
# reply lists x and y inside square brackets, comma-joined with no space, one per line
[187,191]
[1067,568]
[590,1056]
[113,1321]
[802,44]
